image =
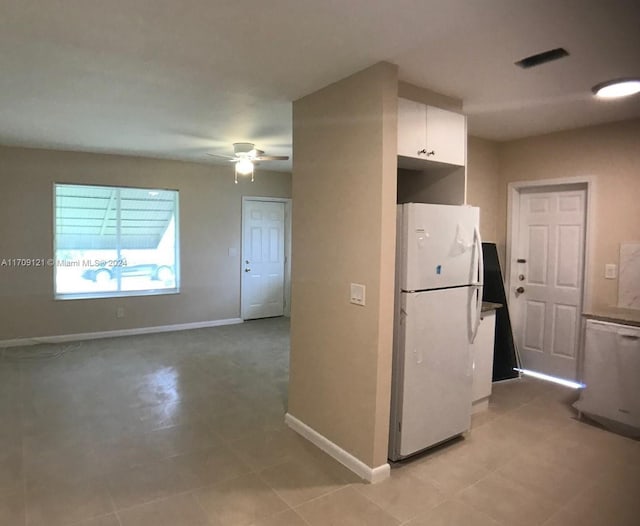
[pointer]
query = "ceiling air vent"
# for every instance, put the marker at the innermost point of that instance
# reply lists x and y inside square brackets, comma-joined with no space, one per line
[542,58]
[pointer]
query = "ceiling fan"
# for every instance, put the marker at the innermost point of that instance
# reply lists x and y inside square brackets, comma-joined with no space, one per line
[245,154]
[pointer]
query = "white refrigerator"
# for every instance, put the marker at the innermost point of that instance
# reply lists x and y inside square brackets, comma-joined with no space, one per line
[439,274]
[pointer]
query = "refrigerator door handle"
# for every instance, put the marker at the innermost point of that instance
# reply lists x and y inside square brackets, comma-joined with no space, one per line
[478,285]
[478,260]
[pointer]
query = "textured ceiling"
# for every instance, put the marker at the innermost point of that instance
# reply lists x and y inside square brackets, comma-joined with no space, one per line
[178,79]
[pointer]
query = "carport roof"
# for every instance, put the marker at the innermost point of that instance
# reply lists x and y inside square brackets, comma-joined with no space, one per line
[87,216]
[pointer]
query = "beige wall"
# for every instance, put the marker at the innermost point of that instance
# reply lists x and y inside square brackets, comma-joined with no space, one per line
[344,185]
[426,96]
[210,206]
[608,153]
[483,176]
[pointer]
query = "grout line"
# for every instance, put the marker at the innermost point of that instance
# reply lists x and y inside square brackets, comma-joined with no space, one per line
[320,496]
[275,490]
[157,500]
[113,502]
[199,504]
[180,493]
[92,518]
[301,517]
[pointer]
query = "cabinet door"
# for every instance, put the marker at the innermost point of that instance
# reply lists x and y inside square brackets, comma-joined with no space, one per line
[482,352]
[446,133]
[412,130]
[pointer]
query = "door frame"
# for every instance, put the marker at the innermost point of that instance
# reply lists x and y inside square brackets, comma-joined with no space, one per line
[287,248]
[514,189]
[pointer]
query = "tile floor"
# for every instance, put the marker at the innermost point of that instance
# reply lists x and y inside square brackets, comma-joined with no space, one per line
[186,429]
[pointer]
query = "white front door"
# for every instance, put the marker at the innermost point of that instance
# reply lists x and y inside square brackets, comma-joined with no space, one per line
[263,258]
[547,279]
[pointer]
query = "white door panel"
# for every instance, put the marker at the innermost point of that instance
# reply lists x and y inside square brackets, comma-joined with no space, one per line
[549,257]
[263,259]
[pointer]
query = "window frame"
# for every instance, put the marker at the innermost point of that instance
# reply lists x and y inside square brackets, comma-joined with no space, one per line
[64,296]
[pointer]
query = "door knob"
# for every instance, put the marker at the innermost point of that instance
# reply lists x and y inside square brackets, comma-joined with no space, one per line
[247,270]
[520,290]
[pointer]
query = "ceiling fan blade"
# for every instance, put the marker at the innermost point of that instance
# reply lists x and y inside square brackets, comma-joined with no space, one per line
[225,157]
[272,158]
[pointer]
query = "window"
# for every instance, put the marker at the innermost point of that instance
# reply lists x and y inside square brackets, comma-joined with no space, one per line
[112,241]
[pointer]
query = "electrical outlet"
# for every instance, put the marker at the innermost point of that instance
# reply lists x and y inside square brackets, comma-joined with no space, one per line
[120,312]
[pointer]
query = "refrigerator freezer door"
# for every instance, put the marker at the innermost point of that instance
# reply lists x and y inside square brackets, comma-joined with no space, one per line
[437,247]
[432,370]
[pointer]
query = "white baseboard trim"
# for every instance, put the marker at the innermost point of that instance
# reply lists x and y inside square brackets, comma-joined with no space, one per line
[62,338]
[345,458]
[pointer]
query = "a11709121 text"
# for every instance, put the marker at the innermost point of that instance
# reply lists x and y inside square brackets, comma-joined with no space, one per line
[50,262]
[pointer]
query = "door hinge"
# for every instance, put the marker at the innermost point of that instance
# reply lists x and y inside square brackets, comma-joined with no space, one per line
[399,427]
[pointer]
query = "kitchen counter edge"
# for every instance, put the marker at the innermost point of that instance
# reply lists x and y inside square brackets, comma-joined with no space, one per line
[615,315]
[488,306]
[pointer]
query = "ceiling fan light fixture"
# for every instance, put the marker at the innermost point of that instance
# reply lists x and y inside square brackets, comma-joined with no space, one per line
[613,89]
[244,167]
[245,154]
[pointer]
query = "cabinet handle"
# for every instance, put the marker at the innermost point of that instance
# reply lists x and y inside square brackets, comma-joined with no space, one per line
[425,152]
[431,153]
[422,151]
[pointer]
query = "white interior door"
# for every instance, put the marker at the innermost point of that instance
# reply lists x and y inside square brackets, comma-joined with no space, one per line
[547,279]
[263,259]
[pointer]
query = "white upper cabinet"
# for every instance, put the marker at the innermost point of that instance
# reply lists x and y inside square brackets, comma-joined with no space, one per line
[446,136]
[412,128]
[429,133]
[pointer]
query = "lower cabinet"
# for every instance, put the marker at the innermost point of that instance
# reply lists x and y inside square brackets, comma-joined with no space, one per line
[482,354]
[611,369]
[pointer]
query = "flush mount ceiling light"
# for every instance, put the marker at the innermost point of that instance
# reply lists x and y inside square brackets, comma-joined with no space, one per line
[613,89]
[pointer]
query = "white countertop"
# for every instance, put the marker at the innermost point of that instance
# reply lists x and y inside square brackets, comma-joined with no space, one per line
[614,315]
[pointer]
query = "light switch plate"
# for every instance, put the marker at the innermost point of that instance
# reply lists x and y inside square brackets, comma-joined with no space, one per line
[610,271]
[358,292]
